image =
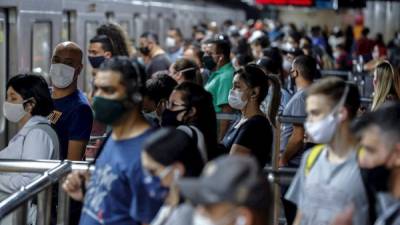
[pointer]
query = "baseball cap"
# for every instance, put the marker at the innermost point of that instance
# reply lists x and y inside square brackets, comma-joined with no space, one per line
[233,179]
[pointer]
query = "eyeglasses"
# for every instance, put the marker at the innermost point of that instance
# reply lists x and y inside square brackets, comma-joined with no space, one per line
[171,105]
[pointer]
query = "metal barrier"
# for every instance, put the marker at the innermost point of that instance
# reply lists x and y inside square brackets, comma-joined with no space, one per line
[281,175]
[54,171]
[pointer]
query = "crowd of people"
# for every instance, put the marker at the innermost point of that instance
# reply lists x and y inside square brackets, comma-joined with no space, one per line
[166,158]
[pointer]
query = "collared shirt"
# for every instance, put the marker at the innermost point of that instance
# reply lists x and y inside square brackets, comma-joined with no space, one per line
[173,56]
[219,84]
[29,144]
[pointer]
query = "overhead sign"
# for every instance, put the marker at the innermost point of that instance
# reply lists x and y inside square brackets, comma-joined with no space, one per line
[286,2]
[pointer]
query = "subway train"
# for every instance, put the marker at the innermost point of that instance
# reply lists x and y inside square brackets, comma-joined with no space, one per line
[30,29]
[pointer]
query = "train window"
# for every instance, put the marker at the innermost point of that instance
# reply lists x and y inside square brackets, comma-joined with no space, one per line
[90,28]
[41,47]
[138,26]
[66,29]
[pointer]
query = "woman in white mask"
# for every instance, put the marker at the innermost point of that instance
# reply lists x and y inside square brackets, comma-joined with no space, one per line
[251,134]
[28,103]
[168,155]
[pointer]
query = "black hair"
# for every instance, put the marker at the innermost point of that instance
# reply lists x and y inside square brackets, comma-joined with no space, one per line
[275,54]
[104,41]
[295,52]
[189,69]
[131,76]
[244,59]
[379,40]
[296,36]
[196,96]
[255,76]
[33,86]
[307,67]
[169,145]
[270,65]
[242,47]
[150,35]
[262,41]
[119,39]
[222,47]
[178,31]
[387,118]
[365,31]
[160,86]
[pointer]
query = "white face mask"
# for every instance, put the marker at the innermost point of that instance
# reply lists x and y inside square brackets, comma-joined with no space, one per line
[14,111]
[170,42]
[235,99]
[287,65]
[336,54]
[200,219]
[288,46]
[323,131]
[61,75]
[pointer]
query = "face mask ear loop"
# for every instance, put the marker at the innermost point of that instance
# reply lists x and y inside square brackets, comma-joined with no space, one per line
[342,100]
[186,70]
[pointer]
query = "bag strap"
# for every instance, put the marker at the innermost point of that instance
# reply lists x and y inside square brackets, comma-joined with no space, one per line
[101,148]
[48,129]
[198,137]
[315,152]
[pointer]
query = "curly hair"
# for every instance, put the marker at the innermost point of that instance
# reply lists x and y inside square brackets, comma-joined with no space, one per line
[118,37]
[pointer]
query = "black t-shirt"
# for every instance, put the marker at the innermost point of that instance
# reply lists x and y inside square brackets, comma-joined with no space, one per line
[158,63]
[254,134]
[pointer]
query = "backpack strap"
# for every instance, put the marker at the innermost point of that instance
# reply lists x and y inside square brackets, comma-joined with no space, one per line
[198,138]
[48,129]
[101,147]
[315,152]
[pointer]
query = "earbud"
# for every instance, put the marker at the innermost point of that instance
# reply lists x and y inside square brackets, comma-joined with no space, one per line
[240,220]
[176,174]
[137,97]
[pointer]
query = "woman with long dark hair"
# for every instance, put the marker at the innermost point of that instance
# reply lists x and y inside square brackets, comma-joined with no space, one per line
[191,105]
[251,134]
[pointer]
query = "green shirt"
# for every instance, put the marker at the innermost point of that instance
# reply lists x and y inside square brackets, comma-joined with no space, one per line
[219,84]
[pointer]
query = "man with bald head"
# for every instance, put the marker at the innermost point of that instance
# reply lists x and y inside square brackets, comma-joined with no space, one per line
[72,116]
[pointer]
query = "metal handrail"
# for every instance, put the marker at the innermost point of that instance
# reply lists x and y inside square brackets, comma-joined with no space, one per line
[54,171]
[39,166]
[29,191]
[280,176]
[291,119]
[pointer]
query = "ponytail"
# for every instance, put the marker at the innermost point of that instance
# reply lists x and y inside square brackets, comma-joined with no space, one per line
[275,85]
[255,76]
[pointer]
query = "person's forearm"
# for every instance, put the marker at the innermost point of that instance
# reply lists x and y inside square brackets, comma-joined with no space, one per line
[223,128]
[294,145]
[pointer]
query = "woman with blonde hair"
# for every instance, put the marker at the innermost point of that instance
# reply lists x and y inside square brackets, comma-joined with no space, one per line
[386,84]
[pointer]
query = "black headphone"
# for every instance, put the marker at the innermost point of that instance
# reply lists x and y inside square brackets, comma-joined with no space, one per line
[137,95]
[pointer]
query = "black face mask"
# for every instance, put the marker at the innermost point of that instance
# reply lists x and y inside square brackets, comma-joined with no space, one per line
[208,62]
[377,179]
[144,50]
[169,118]
[292,84]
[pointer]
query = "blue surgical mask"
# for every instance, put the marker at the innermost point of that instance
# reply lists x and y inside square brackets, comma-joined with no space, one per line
[153,184]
